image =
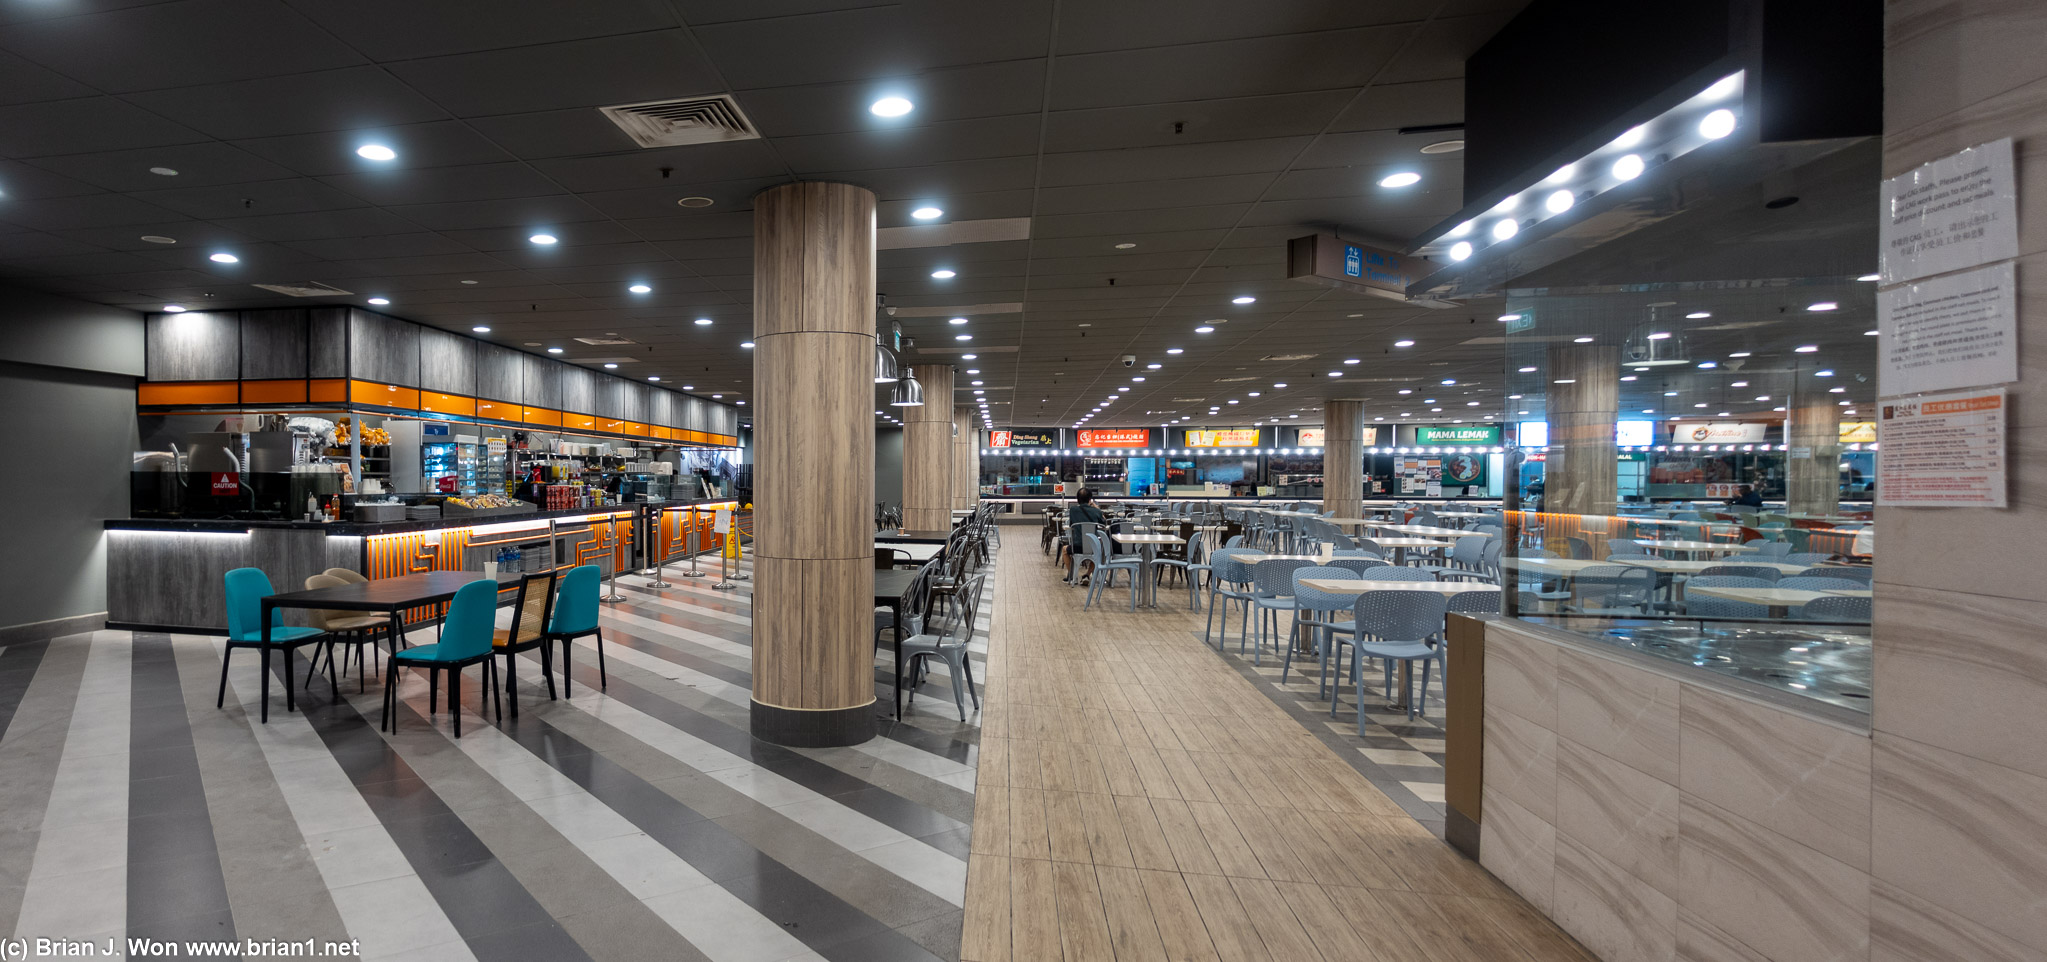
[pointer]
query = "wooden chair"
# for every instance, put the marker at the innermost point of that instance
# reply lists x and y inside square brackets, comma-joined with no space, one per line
[530,614]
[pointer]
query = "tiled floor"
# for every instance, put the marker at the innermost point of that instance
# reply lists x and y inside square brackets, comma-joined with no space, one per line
[1142,797]
[638,822]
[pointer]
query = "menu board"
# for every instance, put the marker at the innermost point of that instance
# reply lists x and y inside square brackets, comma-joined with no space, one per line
[1116,438]
[1222,438]
[1420,475]
[1943,450]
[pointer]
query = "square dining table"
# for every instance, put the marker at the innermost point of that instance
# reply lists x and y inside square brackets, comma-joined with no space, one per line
[891,589]
[392,596]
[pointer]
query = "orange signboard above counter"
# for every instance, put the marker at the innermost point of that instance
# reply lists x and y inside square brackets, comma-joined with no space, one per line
[1116,438]
[1222,438]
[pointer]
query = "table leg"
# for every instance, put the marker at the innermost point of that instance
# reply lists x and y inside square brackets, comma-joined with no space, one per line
[1406,680]
[268,611]
[896,612]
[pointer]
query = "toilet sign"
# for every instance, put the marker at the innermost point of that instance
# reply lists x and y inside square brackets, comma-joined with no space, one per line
[227,482]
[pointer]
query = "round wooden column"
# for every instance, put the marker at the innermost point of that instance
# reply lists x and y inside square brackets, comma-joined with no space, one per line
[966,465]
[1343,457]
[1812,468]
[813,370]
[1582,475]
[927,453]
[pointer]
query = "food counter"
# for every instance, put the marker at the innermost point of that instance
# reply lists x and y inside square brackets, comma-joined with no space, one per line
[166,573]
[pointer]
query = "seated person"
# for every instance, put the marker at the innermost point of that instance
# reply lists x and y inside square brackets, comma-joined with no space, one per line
[1748,497]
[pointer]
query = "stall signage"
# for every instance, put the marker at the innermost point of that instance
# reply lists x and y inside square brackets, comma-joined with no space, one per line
[1222,438]
[1474,434]
[1858,432]
[1943,450]
[227,482]
[1021,439]
[1718,432]
[1314,437]
[1116,438]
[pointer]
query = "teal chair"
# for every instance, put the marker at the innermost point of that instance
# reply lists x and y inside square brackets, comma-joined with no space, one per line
[465,640]
[575,615]
[246,589]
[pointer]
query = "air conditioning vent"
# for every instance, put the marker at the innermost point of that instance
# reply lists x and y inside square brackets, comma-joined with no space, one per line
[1188,400]
[1288,357]
[1227,380]
[607,340]
[306,289]
[676,123]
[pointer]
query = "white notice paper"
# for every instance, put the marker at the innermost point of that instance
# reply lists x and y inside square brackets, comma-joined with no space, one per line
[1942,450]
[1955,212]
[722,521]
[1950,332]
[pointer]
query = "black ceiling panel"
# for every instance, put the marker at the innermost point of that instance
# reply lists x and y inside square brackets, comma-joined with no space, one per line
[85,125]
[179,44]
[634,68]
[408,30]
[355,98]
[446,143]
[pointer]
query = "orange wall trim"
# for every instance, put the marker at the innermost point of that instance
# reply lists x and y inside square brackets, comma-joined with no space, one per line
[385,395]
[274,392]
[187,392]
[454,405]
[498,411]
[327,390]
[582,422]
[541,416]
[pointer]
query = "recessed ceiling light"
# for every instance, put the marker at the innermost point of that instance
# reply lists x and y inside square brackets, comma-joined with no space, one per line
[1279,384]
[957,320]
[1126,245]
[158,239]
[1449,380]
[1628,167]
[1405,178]
[554,350]
[1203,329]
[1826,373]
[943,274]
[746,344]
[1559,201]
[173,309]
[163,171]
[1822,306]
[1528,369]
[468,282]
[376,152]
[963,337]
[1670,394]
[1403,343]
[973,370]
[1704,365]
[481,329]
[544,239]
[1243,299]
[1699,315]
[1444,147]
[1350,360]
[1806,348]
[380,301]
[702,322]
[968,357]
[1870,277]
[1460,250]
[653,377]
[1630,377]
[1509,317]
[890,107]
[1565,380]
[609,365]
[1581,340]
[717,395]
[223,257]
[640,289]
[1717,124]
[1256,393]
[1632,137]
[1174,350]
[689,387]
[1869,334]
[927,213]
[1505,229]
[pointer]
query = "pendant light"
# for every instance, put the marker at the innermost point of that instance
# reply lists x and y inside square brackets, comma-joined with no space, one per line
[887,370]
[908,394]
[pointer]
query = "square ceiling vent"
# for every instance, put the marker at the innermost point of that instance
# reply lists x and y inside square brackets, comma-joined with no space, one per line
[676,123]
[305,289]
[607,340]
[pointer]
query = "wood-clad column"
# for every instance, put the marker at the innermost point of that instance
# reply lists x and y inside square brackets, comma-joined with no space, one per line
[966,465]
[1582,476]
[813,367]
[1343,457]
[928,454]
[1812,468]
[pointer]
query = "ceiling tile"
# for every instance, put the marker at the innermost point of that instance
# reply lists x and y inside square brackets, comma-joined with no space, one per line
[407,30]
[84,126]
[1229,68]
[447,143]
[179,44]
[657,65]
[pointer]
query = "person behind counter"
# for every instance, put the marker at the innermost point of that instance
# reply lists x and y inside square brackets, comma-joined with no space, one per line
[1747,498]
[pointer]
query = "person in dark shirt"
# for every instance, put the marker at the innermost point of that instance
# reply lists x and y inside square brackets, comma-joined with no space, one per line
[1084,509]
[1748,497]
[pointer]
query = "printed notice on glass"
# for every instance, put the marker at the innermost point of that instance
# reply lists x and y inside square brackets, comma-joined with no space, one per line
[1942,451]
[1950,332]
[1953,213]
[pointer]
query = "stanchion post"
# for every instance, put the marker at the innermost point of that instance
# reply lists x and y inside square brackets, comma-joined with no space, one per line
[725,556]
[694,548]
[659,547]
[612,556]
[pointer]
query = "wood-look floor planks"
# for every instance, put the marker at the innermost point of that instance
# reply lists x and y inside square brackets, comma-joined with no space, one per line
[1139,800]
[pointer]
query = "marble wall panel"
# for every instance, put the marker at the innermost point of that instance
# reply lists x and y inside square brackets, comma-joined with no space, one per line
[1963,834]
[1906,928]
[1934,646]
[1624,712]
[1521,761]
[1627,817]
[1796,776]
[1701,941]
[1519,848]
[1786,901]
[1521,675]
[1610,911]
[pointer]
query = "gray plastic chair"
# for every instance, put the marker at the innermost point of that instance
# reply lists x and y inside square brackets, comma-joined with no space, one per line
[1356,567]
[1476,603]
[1805,558]
[1767,550]
[1612,590]
[950,646]
[1818,583]
[1703,606]
[1764,572]
[1315,602]
[1396,573]
[1859,573]
[1274,580]
[1400,623]
[1837,608]
[1105,568]
[1189,567]
[1229,579]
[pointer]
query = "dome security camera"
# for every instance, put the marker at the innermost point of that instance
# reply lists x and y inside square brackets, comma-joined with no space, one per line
[1129,360]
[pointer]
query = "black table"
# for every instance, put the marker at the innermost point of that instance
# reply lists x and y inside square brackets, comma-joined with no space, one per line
[389,595]
[915,537]
[890,588]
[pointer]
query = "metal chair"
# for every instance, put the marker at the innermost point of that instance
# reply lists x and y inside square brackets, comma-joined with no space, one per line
[1476,603]
[1805,558]
[950,646]
[1710,607]
[1765,572]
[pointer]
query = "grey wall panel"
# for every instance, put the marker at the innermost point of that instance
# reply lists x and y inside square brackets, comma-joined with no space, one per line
[724,420]
[57,331]
[639,400]
[383,349]
[194,346]
[578,389]
[611,393]
[660,409]
[696,414]
[888,465]
[540,387]
[499,370]
[56,562]
[447,362]
[274,343]
[327,342]
[172,578]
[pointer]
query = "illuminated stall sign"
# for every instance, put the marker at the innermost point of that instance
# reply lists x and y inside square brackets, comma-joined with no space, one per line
[1222,438]
[1022,439]
[1428,435]
[1858,432]
[1718,432]
[1116,438]
[1314,437]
